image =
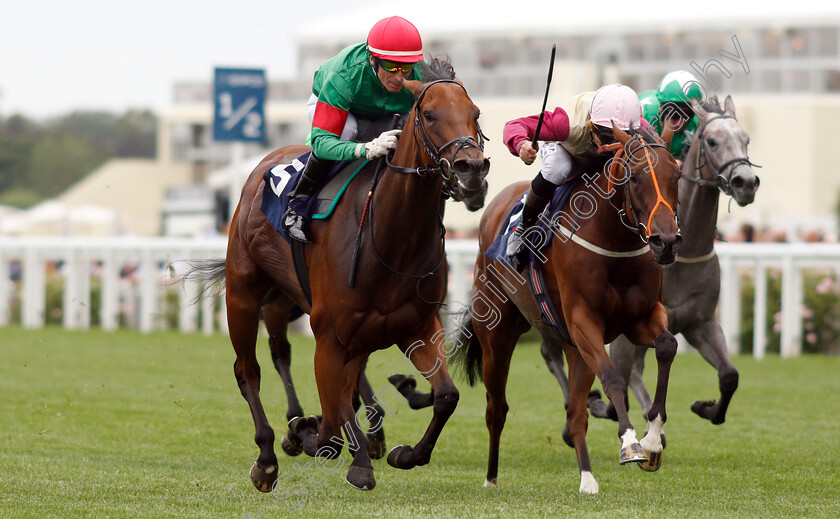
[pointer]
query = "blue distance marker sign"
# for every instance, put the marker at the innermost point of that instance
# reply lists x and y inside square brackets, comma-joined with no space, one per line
[239,99]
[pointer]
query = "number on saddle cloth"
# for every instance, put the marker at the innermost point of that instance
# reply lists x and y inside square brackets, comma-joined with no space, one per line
[281,179]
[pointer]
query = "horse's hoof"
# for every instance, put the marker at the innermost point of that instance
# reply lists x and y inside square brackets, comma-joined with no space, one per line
[706,409]
[306,429]
[566,437]
[632,453]
[303,427]
[361,477]
[400,457]
[598,407]
[402,382]
[376,446]
[263,478]
[291,444]
[653,463]
[491,483]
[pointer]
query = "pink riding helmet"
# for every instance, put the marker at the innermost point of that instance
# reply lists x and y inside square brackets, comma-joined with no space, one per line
[616,103]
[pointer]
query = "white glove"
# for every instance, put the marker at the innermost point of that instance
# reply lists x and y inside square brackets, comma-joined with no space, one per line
[380,145]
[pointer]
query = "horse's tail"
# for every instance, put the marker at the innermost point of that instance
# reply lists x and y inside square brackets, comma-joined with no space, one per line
[209,274]
[468,355]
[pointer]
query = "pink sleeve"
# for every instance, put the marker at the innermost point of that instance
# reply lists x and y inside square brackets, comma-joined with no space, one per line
[555,127]
[646,125]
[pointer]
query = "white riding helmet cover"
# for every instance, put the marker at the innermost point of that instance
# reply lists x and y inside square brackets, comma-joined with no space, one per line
[616,103]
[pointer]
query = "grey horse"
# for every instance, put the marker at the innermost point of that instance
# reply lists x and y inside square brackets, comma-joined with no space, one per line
[716,163]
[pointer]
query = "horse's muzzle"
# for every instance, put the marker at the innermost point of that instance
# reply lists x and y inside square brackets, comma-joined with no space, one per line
[470,173]
[664,249]
[475,201]
[743,185]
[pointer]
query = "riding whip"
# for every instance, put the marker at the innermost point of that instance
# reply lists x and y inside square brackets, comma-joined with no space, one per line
[545,99]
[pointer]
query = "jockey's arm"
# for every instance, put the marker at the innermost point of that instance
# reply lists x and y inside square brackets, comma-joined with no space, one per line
[555,127]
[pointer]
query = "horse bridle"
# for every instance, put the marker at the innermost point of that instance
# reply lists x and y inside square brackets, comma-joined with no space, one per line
[441,167]
[722,172]
[641,229]
[450,184]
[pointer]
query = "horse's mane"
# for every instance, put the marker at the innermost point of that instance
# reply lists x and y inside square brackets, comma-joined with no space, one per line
[712,105]
[439,68]
[646,132]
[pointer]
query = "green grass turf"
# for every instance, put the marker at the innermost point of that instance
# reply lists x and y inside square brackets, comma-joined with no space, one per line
[97,424]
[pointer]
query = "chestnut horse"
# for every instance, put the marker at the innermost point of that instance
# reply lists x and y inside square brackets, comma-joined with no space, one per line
[396,296]
[605,281]
[717,162]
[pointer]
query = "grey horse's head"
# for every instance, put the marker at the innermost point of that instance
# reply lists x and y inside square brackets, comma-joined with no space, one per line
[723,150]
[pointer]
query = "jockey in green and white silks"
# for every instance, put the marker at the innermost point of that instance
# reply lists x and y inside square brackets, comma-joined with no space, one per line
[670,104]
[362,82]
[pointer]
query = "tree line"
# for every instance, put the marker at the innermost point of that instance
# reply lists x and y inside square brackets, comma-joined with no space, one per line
[39,160]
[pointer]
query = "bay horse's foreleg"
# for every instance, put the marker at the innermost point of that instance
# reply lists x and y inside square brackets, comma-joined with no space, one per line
[629,360]
[709,340]
[588,336]
[243,323]
[375,415]
[360,473]
[577,417]
[426,353]
[329,374]
[655,332]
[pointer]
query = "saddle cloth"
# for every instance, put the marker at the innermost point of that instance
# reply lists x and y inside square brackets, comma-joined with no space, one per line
[549,313]
[281,179]
[497,251]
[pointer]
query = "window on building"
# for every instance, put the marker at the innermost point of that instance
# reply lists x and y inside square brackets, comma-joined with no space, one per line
[832,80]
[800,80]
[771,81]
[798,42]
[688,48]
[826,41]
[770,45]
[635,47]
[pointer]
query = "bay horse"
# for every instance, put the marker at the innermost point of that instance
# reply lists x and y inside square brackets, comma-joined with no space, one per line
[716,162]
[401,280]
[604,283]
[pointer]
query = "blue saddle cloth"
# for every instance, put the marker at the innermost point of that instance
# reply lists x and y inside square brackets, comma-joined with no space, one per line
[281,179]
[497,251]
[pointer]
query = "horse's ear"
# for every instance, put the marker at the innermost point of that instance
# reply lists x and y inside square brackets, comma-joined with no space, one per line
[729,106]
[667,135]
[619,134]
[413,86]
[698,109]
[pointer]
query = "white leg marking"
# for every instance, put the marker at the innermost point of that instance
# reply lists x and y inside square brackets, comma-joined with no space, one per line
[588,485]
[652,442]
[491,483]
[269,470]
[628,438]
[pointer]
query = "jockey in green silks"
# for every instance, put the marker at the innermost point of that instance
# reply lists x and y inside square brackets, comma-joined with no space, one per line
[670,105]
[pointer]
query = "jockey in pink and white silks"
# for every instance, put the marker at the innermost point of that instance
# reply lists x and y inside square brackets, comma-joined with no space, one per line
[579,125]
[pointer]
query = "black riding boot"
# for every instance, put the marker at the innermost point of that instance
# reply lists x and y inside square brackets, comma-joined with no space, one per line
[535,201]
[314,174]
